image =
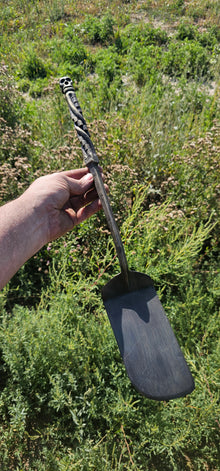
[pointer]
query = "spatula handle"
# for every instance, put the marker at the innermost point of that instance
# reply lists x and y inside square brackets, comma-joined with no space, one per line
[91,161]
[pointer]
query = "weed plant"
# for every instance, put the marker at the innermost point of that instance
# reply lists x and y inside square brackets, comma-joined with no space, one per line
[147,78]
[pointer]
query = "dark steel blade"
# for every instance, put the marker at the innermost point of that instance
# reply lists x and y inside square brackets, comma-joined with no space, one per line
[153,359]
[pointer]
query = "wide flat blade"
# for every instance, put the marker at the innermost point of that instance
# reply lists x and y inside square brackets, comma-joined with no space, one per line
[149,349]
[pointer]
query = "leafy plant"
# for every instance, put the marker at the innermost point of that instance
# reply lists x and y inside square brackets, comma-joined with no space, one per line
[10,99]
[207,38]
[189,59]
[98,30]
[186,31]
[73,52]
[143,34]
[37,87]
[108,65]
[32,66]
[144,63]
[164,240]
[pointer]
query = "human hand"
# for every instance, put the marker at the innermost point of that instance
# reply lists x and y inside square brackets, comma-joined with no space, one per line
[63,200]
[50,207]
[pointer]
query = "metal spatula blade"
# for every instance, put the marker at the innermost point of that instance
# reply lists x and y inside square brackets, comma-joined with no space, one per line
[151,354]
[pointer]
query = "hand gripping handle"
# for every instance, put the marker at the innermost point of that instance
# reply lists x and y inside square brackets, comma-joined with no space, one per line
[91,161]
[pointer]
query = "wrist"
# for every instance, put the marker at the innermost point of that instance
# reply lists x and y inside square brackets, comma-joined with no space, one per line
[23,231]
[35,221]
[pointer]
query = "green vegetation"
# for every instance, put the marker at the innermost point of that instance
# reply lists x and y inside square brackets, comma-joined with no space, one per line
[147,78]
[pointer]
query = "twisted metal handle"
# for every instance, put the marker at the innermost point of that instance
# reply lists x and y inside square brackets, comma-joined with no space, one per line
[91,161]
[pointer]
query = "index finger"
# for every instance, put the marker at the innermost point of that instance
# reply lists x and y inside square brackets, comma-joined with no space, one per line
[77,174]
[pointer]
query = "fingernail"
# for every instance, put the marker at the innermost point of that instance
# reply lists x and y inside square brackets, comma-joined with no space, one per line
[88,177]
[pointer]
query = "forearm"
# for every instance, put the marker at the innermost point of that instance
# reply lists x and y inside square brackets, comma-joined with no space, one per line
[23,231]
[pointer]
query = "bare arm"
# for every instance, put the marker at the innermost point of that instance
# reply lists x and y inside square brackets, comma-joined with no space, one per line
[49,208]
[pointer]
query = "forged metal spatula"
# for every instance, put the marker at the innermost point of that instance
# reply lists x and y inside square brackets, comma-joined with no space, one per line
[149,349]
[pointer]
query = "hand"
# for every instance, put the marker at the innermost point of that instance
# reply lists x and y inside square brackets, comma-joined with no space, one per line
[50,207]
[64,199]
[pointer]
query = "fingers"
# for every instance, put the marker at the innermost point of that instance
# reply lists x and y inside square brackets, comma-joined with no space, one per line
[89,196]
[77,202]
[76,173]
[87,211]
[82,185]
[83,213]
